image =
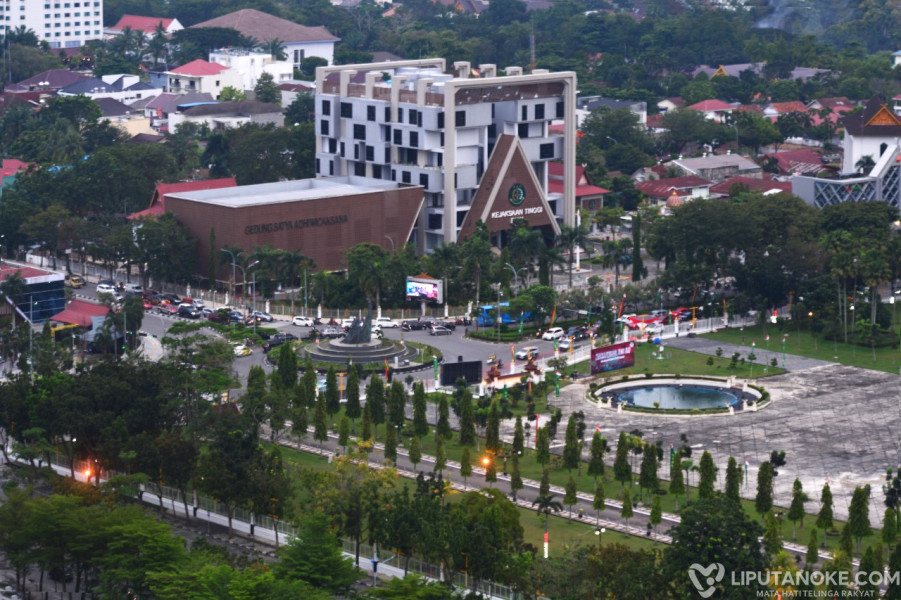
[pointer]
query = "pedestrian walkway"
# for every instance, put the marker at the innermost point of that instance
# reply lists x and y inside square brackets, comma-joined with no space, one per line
[789,362]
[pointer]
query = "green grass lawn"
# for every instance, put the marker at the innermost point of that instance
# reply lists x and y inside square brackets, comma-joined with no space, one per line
[804,343]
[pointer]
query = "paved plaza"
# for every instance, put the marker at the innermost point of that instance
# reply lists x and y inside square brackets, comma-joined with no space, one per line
[834,422]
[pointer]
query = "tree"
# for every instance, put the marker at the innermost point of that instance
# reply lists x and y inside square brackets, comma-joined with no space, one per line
[415,452]
[647,472]
[796,509]
[467,420]
[812,556]
[825,516]
[890,527]
[572,454]
[570,498]
[544,485]
[518,437]
[465,466]
[656,511]
[763,502]
[707,476]
[544,505]
[714,530]
[391,443]
[622,471]
[596,460]
[893,592]
[366,425]
[733,480]
[492,429]
[627,512]
[516,483]
[375,402]
[231,94]
[315,556]
[772,532]
[490,470]
[676,481]
[859,514]
[599,502]
[420,422]
[320,422]
[352,407]
[266,90]
[344,432]
[397,403]
[543,447]
[443,428]
[440,454]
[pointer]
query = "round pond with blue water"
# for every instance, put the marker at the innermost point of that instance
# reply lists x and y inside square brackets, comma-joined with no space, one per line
[669,396]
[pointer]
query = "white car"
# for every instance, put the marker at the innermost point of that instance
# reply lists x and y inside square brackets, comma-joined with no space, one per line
[554,333]
[347,323]
[526,353]
[105,288]
[566,344]
[387,323]
[302,321]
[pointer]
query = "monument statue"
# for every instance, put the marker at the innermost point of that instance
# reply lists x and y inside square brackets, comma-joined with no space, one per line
[360,332]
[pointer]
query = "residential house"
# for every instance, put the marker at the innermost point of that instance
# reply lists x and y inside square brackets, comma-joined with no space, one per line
[158,200]
[47,81]
[589,197]
[668,104]
[146,25]
[124,88]
[801,73]
[132,121]
[159,109]
[589,103]
[10,172]
[673,191]
[798,162]
[224,115]
[869,132]
[202,77]
[714,110]
[718,167]
[298,41]
[774,109]
[291,89]
[765,186]
[250,65]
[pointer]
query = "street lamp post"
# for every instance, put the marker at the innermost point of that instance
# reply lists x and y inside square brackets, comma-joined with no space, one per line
[499,294]
[515,275]
[232,254]
[253,294]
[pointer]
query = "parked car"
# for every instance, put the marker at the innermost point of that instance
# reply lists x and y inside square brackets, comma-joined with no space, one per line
[412,326]
[188,311]
[526,353]
[167,309]
[173,298]
[106,288]
[387,323]
[449,324]
[302,321]
[565,344]
[439,330]
[75,281]
[242,350]
[132,289]
[332,331]
[554,333]
[262,316]
[277,340]
[462,321]
[148,305]
[578,332]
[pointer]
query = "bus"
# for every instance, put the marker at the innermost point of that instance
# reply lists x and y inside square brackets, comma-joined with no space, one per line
[487,313]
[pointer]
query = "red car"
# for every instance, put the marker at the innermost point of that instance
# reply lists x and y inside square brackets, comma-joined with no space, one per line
[148,305]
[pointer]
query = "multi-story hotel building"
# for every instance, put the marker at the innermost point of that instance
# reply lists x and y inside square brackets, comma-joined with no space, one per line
[61,24]
[478,143]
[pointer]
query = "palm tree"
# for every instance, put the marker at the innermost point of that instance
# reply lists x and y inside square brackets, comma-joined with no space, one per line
[544,504]
[615,252]
[865,164]
[267,269]
[230,256]
[875,270]
[293,263]
[526,245]
[571,238]
[276,48]
[477,257]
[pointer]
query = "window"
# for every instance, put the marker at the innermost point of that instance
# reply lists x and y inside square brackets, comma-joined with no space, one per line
[406,177]
[370,153]
[442,139]
[387,155]
[370,113]
[331,167]
[347,110]
[326,107]
[559,110]
[460,119]
[441,120]
[539,111]
[393,174]
[332,145]
[317,165]
[398,137]
[387,114]
[492,131]
[377,171]
[400,115]
[359,132]
[360,169]
[413,116]
[356,152]
[522,130]
[423,180]
[460,217]
[546,151]
[414,139]
[342,150]
[434,221]
[525,113]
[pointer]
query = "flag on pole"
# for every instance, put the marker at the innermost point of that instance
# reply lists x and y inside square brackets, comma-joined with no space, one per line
[557,384]
[522,320]
[622,306]
[435,365]
[386,369]
[553,316]
[746,471]
[597,428]
[588,320]
[672,454]
[512,355]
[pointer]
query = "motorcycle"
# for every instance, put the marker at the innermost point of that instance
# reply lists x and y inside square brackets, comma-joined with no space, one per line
[317,321]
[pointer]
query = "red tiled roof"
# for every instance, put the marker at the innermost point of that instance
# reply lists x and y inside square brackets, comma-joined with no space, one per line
[710,105]
[663,188]
[752,108]
[79,312]
[787,107]
[556,186]
[798,161]
[145,24]
[158,200]
[762,185]
[654,121]
[199,67]
[11,166]
[26,272]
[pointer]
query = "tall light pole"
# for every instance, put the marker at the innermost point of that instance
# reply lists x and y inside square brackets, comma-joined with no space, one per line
[232,254]
[253,294]
[499,294]
[515,274]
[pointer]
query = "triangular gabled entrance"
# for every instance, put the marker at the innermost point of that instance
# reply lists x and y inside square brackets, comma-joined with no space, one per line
[883,116]
[508,190]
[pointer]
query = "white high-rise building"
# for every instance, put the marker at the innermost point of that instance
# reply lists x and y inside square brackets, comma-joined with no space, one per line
[478,143]
[61,24]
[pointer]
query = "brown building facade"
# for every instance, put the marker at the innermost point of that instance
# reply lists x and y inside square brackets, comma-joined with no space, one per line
[320,218]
